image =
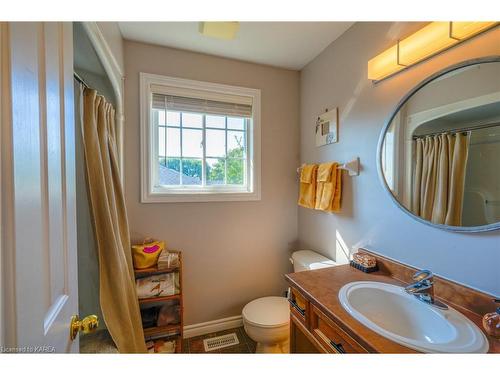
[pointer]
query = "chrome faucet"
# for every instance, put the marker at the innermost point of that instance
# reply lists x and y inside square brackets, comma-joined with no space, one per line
[423,289]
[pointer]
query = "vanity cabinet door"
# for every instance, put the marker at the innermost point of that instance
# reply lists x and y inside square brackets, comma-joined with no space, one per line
[301,340]
[299,307]
[331,336]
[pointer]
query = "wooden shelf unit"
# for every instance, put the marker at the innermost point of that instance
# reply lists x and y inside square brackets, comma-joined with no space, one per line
[143,301]
[172,330]
[154,271]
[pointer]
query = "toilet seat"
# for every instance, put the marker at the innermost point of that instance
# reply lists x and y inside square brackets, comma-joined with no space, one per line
[267,312]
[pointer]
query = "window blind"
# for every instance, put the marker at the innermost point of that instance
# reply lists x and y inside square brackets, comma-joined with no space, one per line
[187,104]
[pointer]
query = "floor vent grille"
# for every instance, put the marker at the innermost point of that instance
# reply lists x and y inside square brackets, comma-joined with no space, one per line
[219,342]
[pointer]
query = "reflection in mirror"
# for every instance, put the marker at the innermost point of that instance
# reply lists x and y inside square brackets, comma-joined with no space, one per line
[441,153]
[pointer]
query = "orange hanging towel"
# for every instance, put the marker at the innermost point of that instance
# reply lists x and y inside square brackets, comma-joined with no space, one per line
[307,195]
[328,187]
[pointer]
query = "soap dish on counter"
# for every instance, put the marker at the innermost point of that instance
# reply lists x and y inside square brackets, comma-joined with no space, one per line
[363,268]
[364,262]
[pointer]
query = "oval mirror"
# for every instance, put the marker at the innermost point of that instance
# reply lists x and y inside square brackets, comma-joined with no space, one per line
[439,153]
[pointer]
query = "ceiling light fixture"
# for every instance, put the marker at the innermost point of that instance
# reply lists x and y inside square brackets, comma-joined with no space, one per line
[220,30]
[428,41]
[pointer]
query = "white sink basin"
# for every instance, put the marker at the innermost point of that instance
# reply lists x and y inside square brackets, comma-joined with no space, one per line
[391,312]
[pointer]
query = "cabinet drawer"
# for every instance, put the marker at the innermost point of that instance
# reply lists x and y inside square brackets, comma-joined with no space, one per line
[299,306]
[331,336]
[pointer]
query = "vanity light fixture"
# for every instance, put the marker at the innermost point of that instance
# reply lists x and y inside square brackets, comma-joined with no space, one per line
[428,41]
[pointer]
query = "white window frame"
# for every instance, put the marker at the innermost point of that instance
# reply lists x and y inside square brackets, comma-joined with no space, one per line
[162,194]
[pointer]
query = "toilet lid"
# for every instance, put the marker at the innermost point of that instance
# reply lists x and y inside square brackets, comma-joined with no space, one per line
[267,312]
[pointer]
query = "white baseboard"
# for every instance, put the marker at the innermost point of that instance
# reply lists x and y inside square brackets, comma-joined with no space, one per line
[212,326]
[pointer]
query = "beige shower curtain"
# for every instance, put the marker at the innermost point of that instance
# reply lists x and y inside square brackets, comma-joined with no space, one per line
[438,186]
[119,304]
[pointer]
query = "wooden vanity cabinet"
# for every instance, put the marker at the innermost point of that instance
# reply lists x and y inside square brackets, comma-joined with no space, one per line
[301,340]
[311,331]
[331,336]
[299,307]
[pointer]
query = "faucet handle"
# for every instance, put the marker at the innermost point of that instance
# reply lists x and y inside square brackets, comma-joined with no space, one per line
[423,275]
[497,300]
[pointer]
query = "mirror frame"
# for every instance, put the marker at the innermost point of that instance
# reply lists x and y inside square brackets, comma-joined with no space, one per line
[406,97]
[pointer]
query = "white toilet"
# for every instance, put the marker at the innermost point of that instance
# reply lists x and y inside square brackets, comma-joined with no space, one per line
[267,319]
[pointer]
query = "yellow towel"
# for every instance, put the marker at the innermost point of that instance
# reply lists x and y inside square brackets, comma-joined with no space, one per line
[307,194]
[328,187]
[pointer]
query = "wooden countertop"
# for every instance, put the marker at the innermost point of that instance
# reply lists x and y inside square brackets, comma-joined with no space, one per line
[322,286]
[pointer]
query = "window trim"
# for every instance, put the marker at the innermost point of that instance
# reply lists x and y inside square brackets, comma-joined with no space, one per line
[150,194]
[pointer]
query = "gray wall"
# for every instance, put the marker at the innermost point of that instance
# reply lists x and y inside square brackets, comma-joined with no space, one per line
[233,251]
[337,77]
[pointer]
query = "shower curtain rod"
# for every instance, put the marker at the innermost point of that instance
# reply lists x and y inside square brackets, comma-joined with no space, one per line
[80,79]
[462,130]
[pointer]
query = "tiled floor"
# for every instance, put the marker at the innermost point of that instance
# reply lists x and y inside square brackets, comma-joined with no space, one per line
[101,342]
[195,344]
[98,342]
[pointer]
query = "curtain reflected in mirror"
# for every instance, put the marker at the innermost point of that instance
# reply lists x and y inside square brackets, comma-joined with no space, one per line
[439,177]
[440,155]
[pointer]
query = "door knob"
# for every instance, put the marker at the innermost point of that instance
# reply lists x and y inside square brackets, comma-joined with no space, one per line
[86,325]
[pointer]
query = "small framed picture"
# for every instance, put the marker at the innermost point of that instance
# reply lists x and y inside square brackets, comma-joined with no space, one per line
[327,126]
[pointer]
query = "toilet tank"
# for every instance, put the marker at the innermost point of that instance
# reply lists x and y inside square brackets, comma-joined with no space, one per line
[305,260]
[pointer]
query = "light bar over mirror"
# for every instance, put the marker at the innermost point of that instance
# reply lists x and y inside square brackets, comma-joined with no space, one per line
[428,41]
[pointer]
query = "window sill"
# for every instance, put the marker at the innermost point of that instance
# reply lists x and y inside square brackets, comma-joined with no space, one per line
[163,197]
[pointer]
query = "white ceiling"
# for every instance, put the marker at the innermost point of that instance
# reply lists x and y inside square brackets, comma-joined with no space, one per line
[284,44]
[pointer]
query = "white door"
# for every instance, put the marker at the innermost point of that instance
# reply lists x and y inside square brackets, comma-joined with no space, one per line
[39,279]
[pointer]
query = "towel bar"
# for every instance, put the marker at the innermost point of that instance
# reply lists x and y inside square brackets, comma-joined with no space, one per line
[351,166]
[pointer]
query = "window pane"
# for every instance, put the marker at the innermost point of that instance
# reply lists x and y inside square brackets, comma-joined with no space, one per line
[215,171]
[161,141]
[173,118]
[169,171]
[215,121]
[192,143]
[235,171]
[173,142]
[191,172]
[235,144]
[158,117]
[192,120]
[216,142]
[236,123]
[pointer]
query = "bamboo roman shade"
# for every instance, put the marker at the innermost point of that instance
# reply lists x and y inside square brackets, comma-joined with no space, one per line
[186,100]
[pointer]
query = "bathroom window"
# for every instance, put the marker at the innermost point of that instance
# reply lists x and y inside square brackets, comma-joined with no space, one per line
[200,141]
